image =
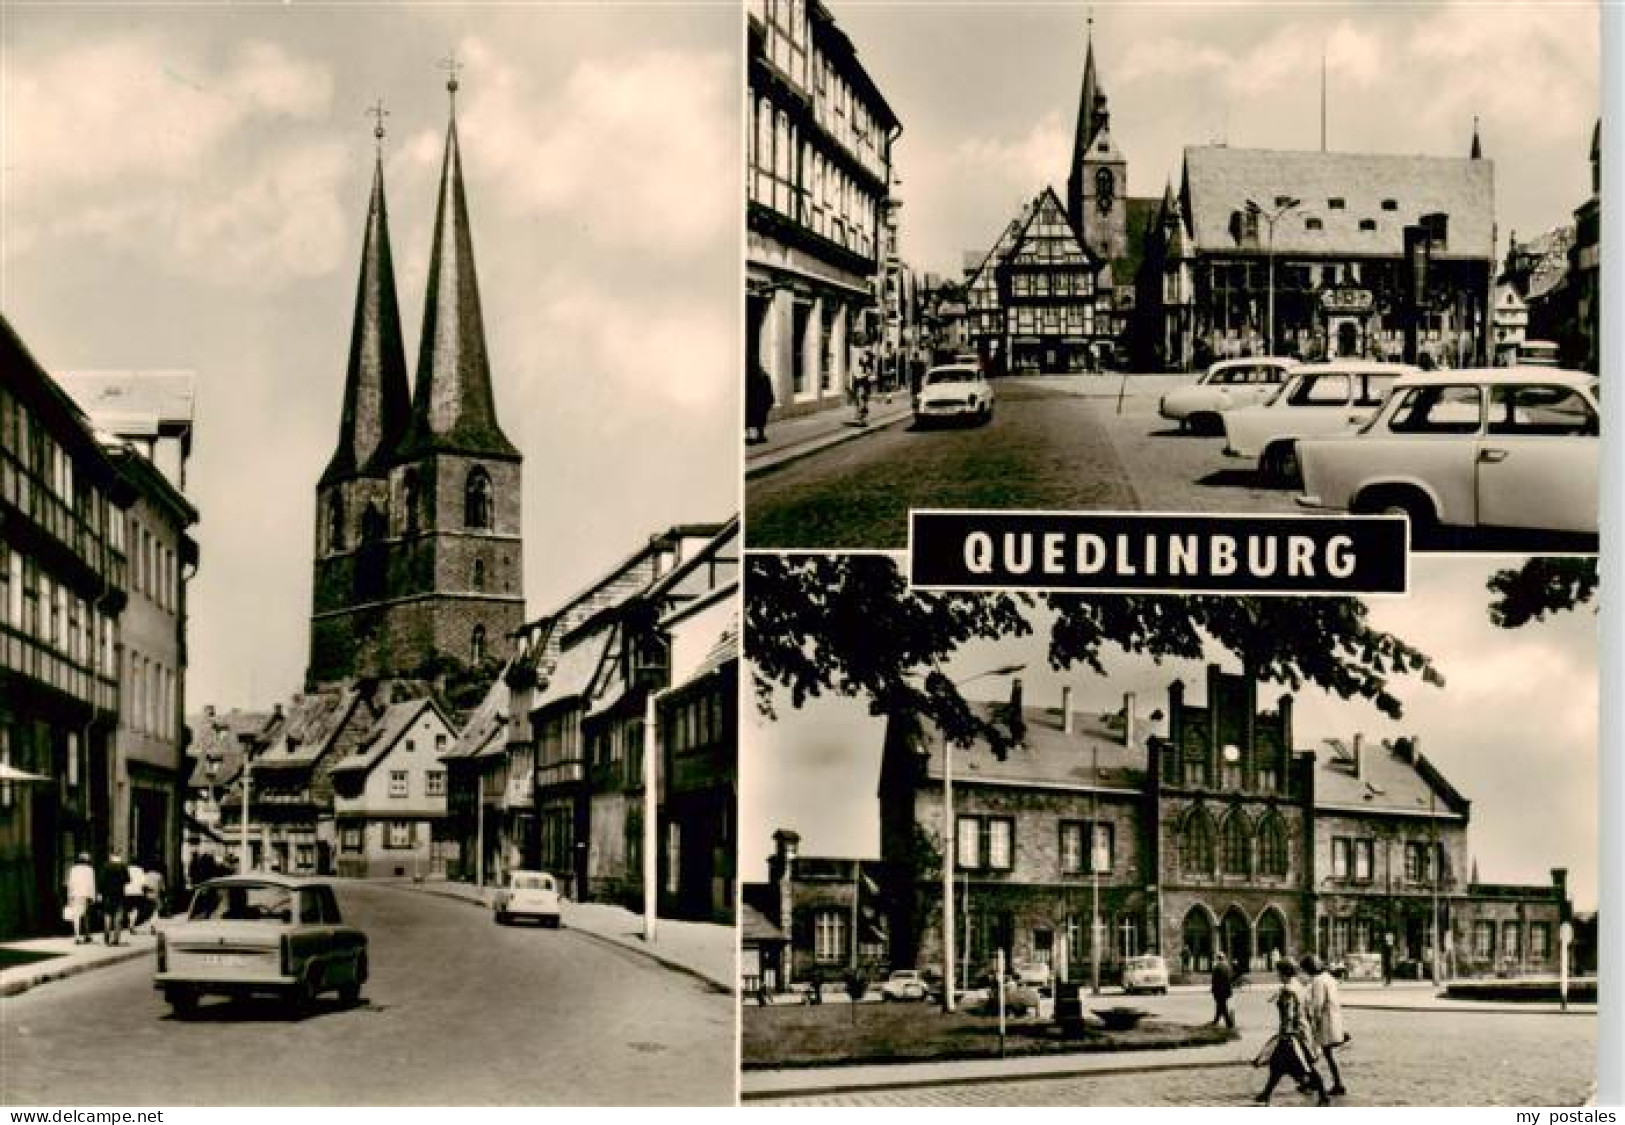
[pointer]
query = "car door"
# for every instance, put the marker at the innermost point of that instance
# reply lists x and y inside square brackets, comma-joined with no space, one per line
[1431,439]
[1537,462]
[312,937]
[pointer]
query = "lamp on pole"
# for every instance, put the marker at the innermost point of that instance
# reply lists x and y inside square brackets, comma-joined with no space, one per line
[950,845]
[1271,215]
[1094,866]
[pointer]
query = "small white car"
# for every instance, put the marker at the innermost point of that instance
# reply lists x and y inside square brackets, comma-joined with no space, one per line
[957,391]
[1509,447]
[1228,384]
[904,984]
[1147,973]
[529,894]
[1320,398]
[1033,974]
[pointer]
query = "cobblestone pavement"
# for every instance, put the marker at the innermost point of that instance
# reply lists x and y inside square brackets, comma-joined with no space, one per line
[1396,1059]
[459,1011]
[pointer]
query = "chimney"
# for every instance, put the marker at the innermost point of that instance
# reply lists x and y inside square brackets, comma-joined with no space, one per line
[1066,708]
[780,869]
[1018,718]
[1412,748]
[1359,750]
[1128,718]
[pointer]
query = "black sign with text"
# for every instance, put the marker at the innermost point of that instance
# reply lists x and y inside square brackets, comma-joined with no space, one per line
[1108,551]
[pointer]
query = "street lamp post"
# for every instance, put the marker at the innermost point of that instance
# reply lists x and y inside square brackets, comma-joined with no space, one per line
[1271,216]
[1094,866]
[950,846]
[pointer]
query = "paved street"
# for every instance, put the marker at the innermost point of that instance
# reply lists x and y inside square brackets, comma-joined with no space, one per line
[1396,1058]
[458,1011]
[1057,442]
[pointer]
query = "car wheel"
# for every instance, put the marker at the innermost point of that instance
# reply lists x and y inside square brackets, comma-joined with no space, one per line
[1280,463]
[502,918]
[1413,506]
[306,991]
[181,1001]
[350,991]
[1206,425]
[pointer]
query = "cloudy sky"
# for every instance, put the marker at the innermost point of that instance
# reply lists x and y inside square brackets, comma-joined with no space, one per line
[988,95]
[187,189]
[1514,729]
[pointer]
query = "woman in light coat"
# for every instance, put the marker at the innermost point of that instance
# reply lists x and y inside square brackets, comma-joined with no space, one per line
[1325,1011]
[81,893]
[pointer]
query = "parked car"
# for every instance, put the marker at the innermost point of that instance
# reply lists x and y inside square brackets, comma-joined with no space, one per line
[529,894]
[260,933]
[1228,384]
[1511,447]
[957,391]
[1146,973]
[1033,974]
[1320,398]
[905,984]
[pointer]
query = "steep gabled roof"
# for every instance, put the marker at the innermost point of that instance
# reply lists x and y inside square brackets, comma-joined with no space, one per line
[307,729]
[1047,756]
[396,720]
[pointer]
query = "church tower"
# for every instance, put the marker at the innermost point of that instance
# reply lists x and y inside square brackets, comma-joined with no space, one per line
[1097,185]
[435,567]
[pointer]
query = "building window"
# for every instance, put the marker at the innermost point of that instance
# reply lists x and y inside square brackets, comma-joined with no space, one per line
[1128,937]
[1417,867]
[479,574]
[1313,223]
[477,498]
[829,937]
[986,842]
[350,839]
[476,647]
[1540,940]
[410,501]
[1237,845]
[397,783]
[1342,850]
[400,833]
[1364,852]
[1272,858]
[1071,847]
[674,857]
[434,783]
[1368,224]
[1511,941]
[1335,203]
[335,522]
[1196,844]
[1483,940]
[1390,205]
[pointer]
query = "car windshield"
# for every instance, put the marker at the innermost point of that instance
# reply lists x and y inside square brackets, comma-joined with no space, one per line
[243,904]
[949,375]
[532,883]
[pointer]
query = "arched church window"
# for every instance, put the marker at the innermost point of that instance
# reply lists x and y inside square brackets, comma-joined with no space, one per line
[335,522]
[410,500]
[1237,841]
[1272,857]
[477,498]
[476,648]
[1105,189]
[1196,843]
[479,574]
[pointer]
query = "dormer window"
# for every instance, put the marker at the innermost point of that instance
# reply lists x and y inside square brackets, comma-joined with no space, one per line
[1368,224]
[1390,205]
[1335,203]
[1313,223]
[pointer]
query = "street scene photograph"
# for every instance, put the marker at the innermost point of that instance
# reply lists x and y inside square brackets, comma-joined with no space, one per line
[1255,259]
[1154,850]
[369,556]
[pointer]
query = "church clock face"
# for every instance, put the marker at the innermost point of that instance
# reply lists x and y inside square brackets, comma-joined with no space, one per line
[1105,190]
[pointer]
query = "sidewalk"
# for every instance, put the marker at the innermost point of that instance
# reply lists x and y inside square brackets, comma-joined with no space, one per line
[799,437]
[896,1076]
[71,959]
[700,949]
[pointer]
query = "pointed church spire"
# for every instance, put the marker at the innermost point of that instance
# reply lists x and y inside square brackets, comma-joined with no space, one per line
[1087,124]
[1478,149]
[1170,202]
[452,406]
[375,383]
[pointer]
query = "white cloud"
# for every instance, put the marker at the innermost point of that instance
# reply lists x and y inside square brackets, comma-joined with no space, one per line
[640,150]
[183,157]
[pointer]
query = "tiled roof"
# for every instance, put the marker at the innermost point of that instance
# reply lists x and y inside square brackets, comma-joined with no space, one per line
[487,725]
[572,675]
[397,717]
[309,723]
[1221,180]
[1048,756]
[1141,215]
[129,401]
[1388,781]
[754,926]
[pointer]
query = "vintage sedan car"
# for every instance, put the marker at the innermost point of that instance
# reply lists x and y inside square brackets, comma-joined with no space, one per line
[905,984]
[260,933]
[529,894]
[1033,974]
[1228,384]
[1508,447]
[957,392]
[1320,398]
[1147,973]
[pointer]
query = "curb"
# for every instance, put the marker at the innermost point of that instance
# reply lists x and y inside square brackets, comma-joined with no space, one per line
[778,459]
[924,1082]
[664,962]
[1502,1010]
[63,972]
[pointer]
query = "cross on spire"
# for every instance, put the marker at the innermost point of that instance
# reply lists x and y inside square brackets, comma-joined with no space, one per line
[451,66]
[377,112]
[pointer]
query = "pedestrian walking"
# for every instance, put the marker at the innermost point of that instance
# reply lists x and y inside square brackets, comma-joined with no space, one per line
[862,386]
[156,903]
[81,897]
[135,896]
[1290,1052]
[759,400]
[114,877]
[1326,1016]
[1222,983]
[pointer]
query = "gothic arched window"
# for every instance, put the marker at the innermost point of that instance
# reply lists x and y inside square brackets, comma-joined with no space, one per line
[372,524]
[1272,859]
[1196,843]
[476,648]
[1237,844]
[477,498]
[335,522]
[1105,190]
[410,500]
[479,574]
